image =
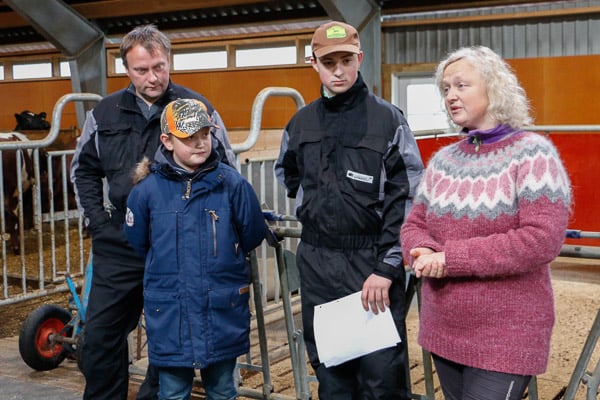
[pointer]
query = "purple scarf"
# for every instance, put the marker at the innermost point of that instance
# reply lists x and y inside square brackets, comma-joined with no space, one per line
[481,136]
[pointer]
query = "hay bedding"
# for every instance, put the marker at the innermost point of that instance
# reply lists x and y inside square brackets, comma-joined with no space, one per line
[13,315]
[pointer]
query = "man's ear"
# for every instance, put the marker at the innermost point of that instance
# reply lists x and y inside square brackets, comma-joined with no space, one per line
[313,62]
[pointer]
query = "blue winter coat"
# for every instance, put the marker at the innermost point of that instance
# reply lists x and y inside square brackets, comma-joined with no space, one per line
[194,232]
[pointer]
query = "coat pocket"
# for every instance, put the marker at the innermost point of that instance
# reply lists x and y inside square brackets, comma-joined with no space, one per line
[116,139]
[229,318]
[362,165]
[162,311]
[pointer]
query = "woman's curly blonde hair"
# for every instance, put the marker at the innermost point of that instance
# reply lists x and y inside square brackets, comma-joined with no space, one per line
[508,103]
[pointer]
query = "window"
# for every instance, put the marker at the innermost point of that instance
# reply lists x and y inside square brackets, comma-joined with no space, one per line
[32,70]
[419,99]
[119,68]
[307,53]
[424,107]
[65,69]
[259,52]
[200,60]
[265,56]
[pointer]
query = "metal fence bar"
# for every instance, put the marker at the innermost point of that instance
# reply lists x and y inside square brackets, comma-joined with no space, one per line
[580,375]
[589,379]
[3,230]
[260,174]
[19,167]
[49,166]
[21,268]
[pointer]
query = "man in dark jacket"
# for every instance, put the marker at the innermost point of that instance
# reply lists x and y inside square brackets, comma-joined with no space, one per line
[122,129]
[352,163]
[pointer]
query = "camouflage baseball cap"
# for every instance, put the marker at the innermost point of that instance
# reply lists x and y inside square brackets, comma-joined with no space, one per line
[184,117]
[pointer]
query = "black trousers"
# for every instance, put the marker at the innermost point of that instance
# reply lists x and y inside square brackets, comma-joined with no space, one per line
[328,274]
[114,308]
[460,382]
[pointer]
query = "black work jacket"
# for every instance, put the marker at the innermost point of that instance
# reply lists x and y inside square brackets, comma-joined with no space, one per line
[354,165]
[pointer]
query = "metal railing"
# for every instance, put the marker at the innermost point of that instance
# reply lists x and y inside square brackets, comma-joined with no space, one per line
[37,271]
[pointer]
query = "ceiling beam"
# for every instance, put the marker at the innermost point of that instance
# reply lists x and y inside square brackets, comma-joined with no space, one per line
[78,39]
[121,8]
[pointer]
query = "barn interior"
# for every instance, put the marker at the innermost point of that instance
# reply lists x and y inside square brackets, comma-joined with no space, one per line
[80,28]
[552,45]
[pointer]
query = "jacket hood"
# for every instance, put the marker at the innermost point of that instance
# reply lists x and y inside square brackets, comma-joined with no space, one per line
[165,164]
[142,170]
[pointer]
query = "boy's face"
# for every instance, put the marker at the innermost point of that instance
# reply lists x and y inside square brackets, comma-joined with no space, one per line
[192,152]
[338,71]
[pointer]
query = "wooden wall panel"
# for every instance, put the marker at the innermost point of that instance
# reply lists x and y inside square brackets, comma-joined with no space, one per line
[233,92]
[562,90]
[531,76]
[572,90]
[36,96]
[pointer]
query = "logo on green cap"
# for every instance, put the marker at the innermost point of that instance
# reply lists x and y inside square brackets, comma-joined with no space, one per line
[336,32]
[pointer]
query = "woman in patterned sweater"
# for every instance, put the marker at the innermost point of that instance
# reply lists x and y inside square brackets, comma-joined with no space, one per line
[489,216]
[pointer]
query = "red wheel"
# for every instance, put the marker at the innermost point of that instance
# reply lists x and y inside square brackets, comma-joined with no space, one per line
[36,346]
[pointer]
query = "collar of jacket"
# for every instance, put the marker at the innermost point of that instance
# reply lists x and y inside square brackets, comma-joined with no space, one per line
[166,165]
[128,99]
[355,94]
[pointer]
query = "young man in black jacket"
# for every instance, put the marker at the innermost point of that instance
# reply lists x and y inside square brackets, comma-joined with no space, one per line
[352,163]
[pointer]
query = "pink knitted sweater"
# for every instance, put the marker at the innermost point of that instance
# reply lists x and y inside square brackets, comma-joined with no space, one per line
[500,215]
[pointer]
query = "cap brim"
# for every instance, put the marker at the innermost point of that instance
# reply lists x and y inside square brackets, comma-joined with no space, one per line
[350,48]
[183,135]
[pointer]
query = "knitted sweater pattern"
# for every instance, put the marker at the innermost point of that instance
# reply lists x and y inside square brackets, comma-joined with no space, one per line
[500,215]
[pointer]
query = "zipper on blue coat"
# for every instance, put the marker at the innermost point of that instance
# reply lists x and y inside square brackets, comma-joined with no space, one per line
[188,190]
[215,218]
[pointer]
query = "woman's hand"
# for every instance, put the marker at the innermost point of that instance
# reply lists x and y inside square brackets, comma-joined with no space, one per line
[429,263]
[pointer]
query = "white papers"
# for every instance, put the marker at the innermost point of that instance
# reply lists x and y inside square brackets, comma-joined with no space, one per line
[344,330]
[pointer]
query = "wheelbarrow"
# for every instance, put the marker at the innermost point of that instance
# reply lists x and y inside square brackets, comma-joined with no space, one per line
[52,333]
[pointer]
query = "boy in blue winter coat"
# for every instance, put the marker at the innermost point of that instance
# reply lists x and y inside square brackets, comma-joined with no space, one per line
[194,219]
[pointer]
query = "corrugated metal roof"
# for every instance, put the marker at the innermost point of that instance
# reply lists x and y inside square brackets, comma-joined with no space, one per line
[550,29]
[117,17]
[194,19]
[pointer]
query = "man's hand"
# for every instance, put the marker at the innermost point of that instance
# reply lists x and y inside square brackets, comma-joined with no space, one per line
[375,293]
